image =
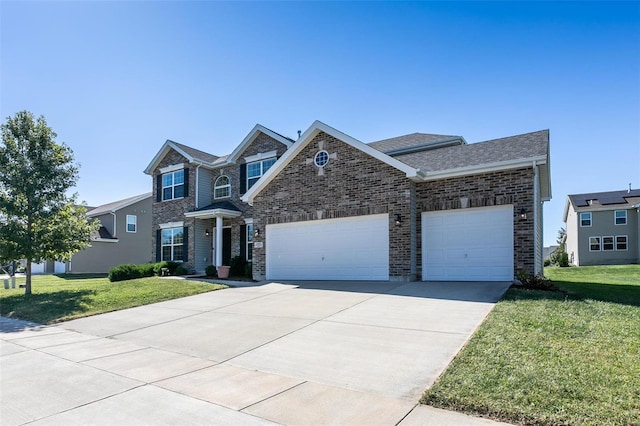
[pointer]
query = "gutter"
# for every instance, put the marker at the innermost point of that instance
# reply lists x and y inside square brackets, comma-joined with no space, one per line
[115,229]
[484,168]
[426,146]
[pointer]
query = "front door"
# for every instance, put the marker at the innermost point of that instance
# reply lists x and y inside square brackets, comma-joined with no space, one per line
[226,246]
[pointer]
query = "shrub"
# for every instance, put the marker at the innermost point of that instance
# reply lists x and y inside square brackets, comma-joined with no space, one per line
[563,261]
[211,271]
[130,271]
[180,270]
[171,266]
[535,282]
[547,262]
[238,264]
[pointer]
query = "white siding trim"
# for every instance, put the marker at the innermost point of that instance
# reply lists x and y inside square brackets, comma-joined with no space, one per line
[171,225]
[172,168]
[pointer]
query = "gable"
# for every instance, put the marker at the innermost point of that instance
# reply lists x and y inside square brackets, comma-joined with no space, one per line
[256,138]
[316,133]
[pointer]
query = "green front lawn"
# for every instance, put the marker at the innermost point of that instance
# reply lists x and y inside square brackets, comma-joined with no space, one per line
[553,358]
[58,298]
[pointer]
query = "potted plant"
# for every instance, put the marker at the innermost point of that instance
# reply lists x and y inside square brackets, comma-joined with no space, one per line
[223,271]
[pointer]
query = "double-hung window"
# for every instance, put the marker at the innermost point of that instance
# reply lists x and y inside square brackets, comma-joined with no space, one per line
[173,185]
[256,169]
[621,242]
[594,243]
[585,219]
[607,243]
[222,187]
[132,223]
[620,217]
[172,244]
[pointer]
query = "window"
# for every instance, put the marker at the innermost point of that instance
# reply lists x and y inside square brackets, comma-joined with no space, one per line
[173,185]
[256,169]
[222,187]
[594,243]
[249,242]
[132,223]
[585,219]
[607,243]
[621,242]
[621,217]
[172,244]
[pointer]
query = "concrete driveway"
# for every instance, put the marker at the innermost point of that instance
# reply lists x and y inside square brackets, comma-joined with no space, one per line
[288,353]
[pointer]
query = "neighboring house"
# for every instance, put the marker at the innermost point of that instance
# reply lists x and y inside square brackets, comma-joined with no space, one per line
[548,251]
[328,206]
[603,228]
[123,237]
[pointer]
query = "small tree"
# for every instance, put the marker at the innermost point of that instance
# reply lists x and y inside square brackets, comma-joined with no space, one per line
[560,256]
[38,220]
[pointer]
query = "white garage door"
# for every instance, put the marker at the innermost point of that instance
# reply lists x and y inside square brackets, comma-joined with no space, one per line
[468,245]
[354,248]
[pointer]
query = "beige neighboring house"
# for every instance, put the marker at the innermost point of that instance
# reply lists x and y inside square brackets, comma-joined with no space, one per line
[123,237]
[603,228]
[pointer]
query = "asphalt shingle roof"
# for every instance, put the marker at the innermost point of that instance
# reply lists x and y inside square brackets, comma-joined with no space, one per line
[611,198]
[196,153]
[106,208]
[527,145]
[406,141]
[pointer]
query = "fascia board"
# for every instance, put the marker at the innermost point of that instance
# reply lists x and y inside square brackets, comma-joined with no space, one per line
[169,144]
[120,207]
[485,168]
[565,215]
[258,128]
[205,214]
[306,138]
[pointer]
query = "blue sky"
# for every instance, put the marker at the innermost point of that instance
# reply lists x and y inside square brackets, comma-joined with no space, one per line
[116,79]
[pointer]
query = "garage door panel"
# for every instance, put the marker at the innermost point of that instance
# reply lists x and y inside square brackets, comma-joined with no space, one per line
[470,244]
[332,249]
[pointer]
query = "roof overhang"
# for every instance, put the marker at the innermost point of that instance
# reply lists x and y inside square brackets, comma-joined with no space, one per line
[210,214]
[168,145]
[253,134]
[313,130]
[92,213]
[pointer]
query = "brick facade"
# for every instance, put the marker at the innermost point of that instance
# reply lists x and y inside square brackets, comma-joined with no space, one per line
[353,184]
[488,189]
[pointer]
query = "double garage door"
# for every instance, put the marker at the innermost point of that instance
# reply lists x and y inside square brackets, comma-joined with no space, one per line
[354,248]
[462,245]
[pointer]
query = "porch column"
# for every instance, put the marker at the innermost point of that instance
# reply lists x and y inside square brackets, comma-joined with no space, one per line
[218,240]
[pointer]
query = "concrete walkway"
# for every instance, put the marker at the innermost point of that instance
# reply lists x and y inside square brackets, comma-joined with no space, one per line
[285,353]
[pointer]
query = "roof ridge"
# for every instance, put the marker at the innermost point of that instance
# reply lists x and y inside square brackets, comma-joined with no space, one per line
[513,136]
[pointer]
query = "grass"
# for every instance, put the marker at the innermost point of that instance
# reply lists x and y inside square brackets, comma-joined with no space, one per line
[58,298]
[554,359]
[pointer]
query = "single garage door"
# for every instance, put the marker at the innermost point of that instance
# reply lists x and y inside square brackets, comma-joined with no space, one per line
[468,245]
[354,248]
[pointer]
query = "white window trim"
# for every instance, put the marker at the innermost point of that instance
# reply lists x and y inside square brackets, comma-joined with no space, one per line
[173,185]
[249,234]
[590,219]
[215,197]
[171,225]
[599,244]
[615,242]
[171,168]
[261,156]
[262,171]
[135,223]
[615,217]
[162,246]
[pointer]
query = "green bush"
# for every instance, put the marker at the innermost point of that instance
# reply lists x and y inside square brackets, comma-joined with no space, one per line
[130,271]
[547,262]
[180,270]
[211,271]
[171,266]
[563,261]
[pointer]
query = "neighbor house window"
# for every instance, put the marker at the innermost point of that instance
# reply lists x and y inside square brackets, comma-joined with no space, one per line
[621,242]
[173,185]
[172,244]
[132,223]
[222,187]
[594,243]
[249,242]
[256,169]
[621,217]
[585,219]
[607,243]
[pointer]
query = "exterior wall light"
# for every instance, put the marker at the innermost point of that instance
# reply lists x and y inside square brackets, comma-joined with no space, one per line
[398,220]
[523,214]
[256,232]
[206,232]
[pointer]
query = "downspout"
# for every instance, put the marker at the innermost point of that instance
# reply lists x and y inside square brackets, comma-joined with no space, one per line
[536,262]
[115,230]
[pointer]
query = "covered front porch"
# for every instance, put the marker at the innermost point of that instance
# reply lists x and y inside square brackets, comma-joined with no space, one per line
[213,234]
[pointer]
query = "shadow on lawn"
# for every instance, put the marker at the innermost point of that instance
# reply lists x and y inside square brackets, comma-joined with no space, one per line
[623,294]
[44,308]
[80,276]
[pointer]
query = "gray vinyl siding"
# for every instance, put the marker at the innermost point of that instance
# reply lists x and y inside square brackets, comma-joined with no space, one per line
[202,253]
[603,225]
[539,234]
[130,248]
[205,187]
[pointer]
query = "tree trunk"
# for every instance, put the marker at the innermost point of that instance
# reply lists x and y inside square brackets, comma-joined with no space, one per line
[27,286]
